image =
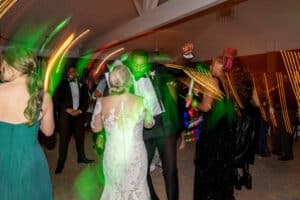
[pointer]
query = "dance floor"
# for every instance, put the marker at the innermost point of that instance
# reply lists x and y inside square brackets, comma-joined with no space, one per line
[272,179]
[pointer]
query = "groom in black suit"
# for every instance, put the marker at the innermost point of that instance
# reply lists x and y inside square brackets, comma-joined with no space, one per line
[71,101]
[157,87]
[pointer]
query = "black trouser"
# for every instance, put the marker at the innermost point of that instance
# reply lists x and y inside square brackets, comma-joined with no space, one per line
[167,152]
[282,141]
[69,125]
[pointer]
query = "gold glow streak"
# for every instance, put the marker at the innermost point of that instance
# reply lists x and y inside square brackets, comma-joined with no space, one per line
[272,115]
[295,72]
[287,122]
[107,57]
[197,88]
[69,46]
[233,90]
[6,3]
[293,69]
[5,6]
[203,79]
[292,66]
[53,58]
[100,50]
[287,66]
[298,55]
[262,110]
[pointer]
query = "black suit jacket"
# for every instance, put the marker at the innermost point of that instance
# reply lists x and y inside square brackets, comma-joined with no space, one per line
[166,92]
[63,97]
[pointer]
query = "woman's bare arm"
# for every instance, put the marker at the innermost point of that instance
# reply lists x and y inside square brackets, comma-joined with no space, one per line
[47,118]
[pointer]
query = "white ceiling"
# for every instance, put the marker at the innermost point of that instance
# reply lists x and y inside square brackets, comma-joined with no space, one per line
[258,25]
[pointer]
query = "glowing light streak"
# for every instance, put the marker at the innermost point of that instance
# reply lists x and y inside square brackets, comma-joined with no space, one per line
[53,59]
[202,78]
[54,32]
[293,67]
[233,90]
[5,6]
[293,70]
[106,58]
[99,51]
[58,69]
[298,55]
[189,100]
[272,115]
[287,122]
[262,111]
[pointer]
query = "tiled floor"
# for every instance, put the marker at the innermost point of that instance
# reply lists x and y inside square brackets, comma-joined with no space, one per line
[272,179]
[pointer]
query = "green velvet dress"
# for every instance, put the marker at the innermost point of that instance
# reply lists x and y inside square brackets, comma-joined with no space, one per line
[24,172]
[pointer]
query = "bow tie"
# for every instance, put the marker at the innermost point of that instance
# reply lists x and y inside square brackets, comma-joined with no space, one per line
[72,81]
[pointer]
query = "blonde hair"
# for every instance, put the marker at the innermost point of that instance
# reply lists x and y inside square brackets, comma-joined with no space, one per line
[24,61]
[120,79]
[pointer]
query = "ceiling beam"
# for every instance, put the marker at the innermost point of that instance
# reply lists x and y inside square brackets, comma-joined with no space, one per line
[150,4]
[145,5]
[164,14]
[138,7]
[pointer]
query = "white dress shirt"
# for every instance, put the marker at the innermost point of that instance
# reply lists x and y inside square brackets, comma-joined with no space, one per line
[143,87]
[75,94]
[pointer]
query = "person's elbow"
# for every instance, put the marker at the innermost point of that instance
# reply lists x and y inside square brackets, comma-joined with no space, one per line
[96,129]
[204,108]
[47,130]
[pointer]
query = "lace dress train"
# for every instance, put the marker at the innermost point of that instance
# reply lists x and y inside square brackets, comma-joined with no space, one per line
[125,157]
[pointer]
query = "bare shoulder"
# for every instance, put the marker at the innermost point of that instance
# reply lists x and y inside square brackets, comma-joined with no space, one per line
[138,99]
[103,100]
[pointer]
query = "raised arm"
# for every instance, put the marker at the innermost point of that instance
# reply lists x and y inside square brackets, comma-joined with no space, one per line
[206,104]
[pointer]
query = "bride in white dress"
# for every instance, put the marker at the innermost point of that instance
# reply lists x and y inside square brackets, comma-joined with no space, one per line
[123,117]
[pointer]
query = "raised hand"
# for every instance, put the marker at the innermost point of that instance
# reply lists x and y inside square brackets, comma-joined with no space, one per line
[187,48]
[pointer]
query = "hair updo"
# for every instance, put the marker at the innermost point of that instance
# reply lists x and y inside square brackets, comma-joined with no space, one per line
[120,79]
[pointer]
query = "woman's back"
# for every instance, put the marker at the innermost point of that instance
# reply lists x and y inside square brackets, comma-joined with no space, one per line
[123,114]
[125,156]
[13,101]
[24,172]
[23,169]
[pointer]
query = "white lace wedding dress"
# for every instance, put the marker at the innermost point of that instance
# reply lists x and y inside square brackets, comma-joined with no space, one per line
[125,156]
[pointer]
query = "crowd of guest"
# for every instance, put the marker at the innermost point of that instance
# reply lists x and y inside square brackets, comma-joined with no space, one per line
[135,104]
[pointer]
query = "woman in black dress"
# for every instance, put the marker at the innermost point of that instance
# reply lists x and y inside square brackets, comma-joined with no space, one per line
[244,128]
[214,169]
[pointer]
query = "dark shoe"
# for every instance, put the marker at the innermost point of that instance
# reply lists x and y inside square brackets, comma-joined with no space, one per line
[286,158]
[247,181]
[276,153]
[238,183]
[267,154]
[84,160]
[58,170]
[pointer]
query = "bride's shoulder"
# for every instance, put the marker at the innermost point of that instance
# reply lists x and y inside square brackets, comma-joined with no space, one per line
[137,98]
